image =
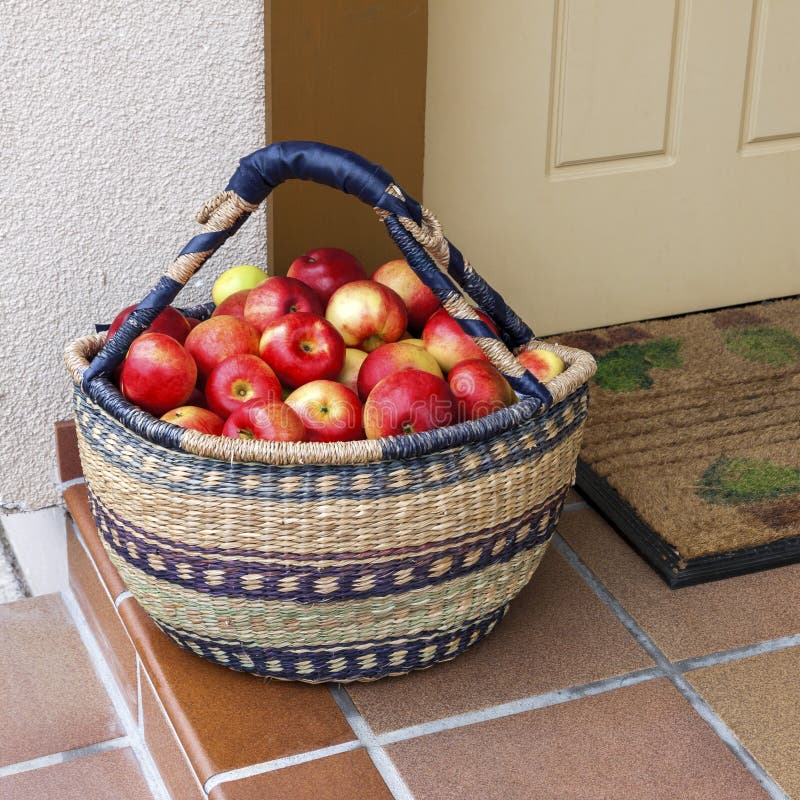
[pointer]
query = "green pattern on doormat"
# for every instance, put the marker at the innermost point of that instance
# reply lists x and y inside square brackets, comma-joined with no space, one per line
[774,346]
[731,481]
[627,368]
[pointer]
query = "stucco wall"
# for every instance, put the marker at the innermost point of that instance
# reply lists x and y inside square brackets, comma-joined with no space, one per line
[117,120]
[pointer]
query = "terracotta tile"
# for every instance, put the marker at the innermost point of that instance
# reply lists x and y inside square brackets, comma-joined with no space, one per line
[69,462]
[50,697]
[759,698]
[103,619]
[114,774]
[573,497]
[175,770]
[694,620]
[556,634]
[644,741]
[77,500]
[347,776]
[228,719]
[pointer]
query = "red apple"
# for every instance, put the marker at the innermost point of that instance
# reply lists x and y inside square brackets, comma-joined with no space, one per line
[265,419]
[196,418]
[420,301]
[447,343]
[325,270]
[238,379]
[367,314]
[479,389]
[193,322]
[353,359]
[232,305]
[157,374]
[393,357]
[218,338]
[544,364]
[330,411]
[277,297]
[170,322]
[302,347]
[409,401]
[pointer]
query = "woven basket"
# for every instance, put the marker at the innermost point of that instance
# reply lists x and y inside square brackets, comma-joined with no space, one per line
[330,562]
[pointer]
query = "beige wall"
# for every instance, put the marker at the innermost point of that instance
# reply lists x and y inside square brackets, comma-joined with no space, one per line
[602,161]
[118,120]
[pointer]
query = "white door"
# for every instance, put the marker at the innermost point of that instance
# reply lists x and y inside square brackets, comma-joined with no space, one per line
[602,161]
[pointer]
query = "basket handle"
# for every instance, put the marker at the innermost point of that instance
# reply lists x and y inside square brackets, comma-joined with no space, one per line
[414,229]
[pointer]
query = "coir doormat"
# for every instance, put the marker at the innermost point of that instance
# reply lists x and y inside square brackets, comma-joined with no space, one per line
[692,447]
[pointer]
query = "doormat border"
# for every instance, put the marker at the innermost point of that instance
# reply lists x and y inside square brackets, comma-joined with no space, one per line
[663,557]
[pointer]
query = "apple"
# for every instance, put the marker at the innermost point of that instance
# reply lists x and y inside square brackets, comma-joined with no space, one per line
[330,412]
[236,279]
[265,419]
[416,342]
[353,359]
[367,314]
[447,343]
[157,374]
[409,401]
[196,418]
[325,270]
[193,322]
[276,297]
[544,364]
[218,338]
[170,322]
[420,301]
[302,347]
[238,379]
[393,357]
[479,389]
[232,305]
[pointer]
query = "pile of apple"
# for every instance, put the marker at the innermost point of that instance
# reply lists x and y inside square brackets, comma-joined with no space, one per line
[324,354]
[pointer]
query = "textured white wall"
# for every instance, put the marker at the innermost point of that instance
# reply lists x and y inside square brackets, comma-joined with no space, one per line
[117,120]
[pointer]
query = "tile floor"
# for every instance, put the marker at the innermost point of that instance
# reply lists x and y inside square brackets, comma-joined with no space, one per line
[600,683]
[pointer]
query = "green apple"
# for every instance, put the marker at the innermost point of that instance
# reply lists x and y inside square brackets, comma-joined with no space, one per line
[236,279]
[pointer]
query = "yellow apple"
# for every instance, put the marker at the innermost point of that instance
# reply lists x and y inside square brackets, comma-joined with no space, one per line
[236,279]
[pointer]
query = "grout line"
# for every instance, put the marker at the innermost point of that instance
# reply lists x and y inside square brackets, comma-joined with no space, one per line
[63,757]
[166,718]
[736,653]
[134,739]
[700,706]
[82,542]
[531,703]
[376,742]
[380,758]
[122,596]
[576,506]
[139,712]
[278,763]
[64,485]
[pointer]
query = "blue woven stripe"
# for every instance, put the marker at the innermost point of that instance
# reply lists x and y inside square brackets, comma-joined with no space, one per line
[513,330]
[362,579]
[203,242]
[261,172]
[443,287]
[340,662]
[107,360]
[434,470]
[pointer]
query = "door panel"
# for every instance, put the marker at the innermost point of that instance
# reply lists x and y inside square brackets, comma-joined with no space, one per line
[592,157]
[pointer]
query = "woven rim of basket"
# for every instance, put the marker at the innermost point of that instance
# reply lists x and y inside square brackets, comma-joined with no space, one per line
[580,367]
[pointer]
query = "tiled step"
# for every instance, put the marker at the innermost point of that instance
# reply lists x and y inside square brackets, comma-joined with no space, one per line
[59,733]
[571,696]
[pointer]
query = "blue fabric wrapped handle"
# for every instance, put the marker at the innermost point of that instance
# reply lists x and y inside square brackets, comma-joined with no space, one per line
[256,177]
